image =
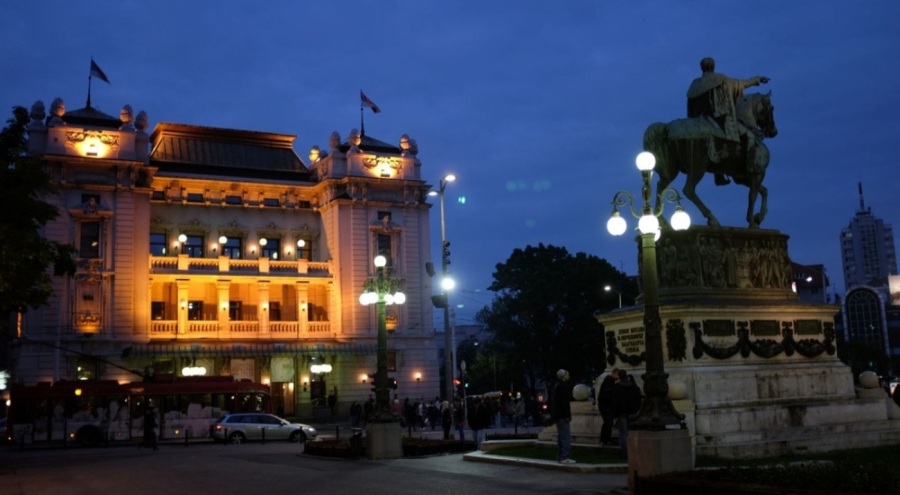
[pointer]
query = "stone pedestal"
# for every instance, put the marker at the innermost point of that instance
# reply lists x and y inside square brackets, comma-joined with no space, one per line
[753,368]
[658,452]
[384,441]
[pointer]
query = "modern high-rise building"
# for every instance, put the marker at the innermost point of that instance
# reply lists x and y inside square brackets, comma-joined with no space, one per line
[867,249]
[222,250]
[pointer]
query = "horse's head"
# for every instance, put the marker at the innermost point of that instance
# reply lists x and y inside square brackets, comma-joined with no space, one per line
[764,112]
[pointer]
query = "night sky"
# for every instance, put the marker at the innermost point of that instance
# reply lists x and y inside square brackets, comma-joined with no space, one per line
[539,108]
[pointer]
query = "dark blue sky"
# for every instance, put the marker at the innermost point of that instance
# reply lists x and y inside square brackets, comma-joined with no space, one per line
[538,107]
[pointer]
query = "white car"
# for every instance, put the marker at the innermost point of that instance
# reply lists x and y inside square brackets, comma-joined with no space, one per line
[242,427]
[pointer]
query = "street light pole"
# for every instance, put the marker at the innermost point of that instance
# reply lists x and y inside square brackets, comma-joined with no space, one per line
[657,411]
[382,291]
[446,286]
[608,288]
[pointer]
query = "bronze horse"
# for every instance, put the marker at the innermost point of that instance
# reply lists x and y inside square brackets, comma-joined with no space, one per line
[697,146]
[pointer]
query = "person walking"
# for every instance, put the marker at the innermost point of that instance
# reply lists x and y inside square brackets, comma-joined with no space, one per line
[561,414]
[604,404]
[626,401]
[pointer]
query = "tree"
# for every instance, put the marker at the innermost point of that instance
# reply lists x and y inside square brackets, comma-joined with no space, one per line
[542,317]
[29,260]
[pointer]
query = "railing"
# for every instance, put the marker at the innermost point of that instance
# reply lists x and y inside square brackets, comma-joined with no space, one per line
[278,330]
[184,263]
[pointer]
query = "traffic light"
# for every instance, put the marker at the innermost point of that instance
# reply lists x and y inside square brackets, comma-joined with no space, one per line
[445,255]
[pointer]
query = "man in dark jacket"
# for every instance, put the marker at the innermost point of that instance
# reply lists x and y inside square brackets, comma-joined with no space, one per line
[604,404]
[626,401]
[561,414]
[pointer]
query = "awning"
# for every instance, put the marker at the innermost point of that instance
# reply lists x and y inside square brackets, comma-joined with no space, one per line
[246,350]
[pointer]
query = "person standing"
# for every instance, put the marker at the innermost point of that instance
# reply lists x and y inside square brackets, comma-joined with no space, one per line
[446,419]
[150,428]
[355,413]
[626,401]
[561,414]
[604,404]
[479,419]
[459,418]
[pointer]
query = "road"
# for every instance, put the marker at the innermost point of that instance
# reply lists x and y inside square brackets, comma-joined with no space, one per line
[270,469]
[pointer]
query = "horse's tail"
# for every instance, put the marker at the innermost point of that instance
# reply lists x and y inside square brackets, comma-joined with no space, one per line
[656,139]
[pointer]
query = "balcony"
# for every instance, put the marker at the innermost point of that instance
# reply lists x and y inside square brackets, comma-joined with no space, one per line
[239,330]
[184,264]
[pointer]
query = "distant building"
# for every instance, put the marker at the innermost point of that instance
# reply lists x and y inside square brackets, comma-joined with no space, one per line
[867,249]
[223,250]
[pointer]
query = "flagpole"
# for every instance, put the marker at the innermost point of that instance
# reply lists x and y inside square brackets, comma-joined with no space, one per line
[362,121]
[89,90]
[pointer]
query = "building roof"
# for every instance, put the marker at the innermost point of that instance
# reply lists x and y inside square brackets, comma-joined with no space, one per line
[217,151]
[371,144]
[92,117]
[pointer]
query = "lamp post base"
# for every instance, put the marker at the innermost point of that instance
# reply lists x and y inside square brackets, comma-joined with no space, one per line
[384,440]
[658,452]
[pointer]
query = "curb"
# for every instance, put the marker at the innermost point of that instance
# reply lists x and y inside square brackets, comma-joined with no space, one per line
[480,456]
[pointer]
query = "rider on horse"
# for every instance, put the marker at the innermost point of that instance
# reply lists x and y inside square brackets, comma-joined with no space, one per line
[714,96]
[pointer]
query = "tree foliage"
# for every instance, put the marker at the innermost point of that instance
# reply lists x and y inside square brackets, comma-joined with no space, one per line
[542,316]
[29,260]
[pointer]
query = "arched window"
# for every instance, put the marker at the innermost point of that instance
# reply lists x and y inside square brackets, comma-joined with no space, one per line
[864,316]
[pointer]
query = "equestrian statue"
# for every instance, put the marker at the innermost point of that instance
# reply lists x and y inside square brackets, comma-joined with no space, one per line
[723,135]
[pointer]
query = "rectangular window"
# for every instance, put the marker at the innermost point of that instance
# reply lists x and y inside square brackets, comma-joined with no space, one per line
[195,198]
[235,310]
[158,310]
[272,249]
[234,200]
[271,202]
[304,250]
[195,310]
[383,247]
[157,244]
[89,245]
[275,311]
[233,248]
[193,246]
[158,195]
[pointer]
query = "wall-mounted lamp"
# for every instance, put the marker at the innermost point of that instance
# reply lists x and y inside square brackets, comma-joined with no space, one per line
[288,251]
[303,306]
[253,250]
[215,248]
[183,304]
[363,378]
[224,307]
[305,383]
[418,377]
[265,306]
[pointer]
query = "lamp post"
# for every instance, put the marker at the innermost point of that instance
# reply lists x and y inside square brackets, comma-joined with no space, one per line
[609,288]
[382,291]
[657,411]
[447,285]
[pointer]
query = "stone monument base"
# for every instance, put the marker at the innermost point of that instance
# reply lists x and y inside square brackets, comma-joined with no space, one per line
[384,441]
[658,452]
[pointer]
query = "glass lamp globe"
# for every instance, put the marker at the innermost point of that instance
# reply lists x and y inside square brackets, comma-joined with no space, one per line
[182,238]
[447,283]
[223,239]
[301,243]
[263,241]
[616,225]
[648,224]
[389,299]
[645,161]
[399,298]
[364,298]
[680,219]
[372,298]
[449,178]
[380,261]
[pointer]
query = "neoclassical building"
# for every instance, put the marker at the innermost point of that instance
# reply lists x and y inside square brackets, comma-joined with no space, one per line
[221,251]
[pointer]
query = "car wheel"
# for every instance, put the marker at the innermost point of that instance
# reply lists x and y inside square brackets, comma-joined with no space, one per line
[297,436]
[237,438]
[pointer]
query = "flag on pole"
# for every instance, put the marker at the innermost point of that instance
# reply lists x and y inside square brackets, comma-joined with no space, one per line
[98,73]
[366,102]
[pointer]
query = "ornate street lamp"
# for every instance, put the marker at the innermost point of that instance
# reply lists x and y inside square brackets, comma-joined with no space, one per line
[657,411]
[447,284]
[382,291]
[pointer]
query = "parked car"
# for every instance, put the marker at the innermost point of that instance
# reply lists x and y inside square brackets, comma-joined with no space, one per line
[243,427]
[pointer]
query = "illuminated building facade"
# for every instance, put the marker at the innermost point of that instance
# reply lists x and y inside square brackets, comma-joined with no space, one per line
[221,251]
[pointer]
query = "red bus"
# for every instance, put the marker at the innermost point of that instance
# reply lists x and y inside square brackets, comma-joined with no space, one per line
[91,412]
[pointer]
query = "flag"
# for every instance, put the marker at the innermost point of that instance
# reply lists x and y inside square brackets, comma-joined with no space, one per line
[366,102]
[96,72]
